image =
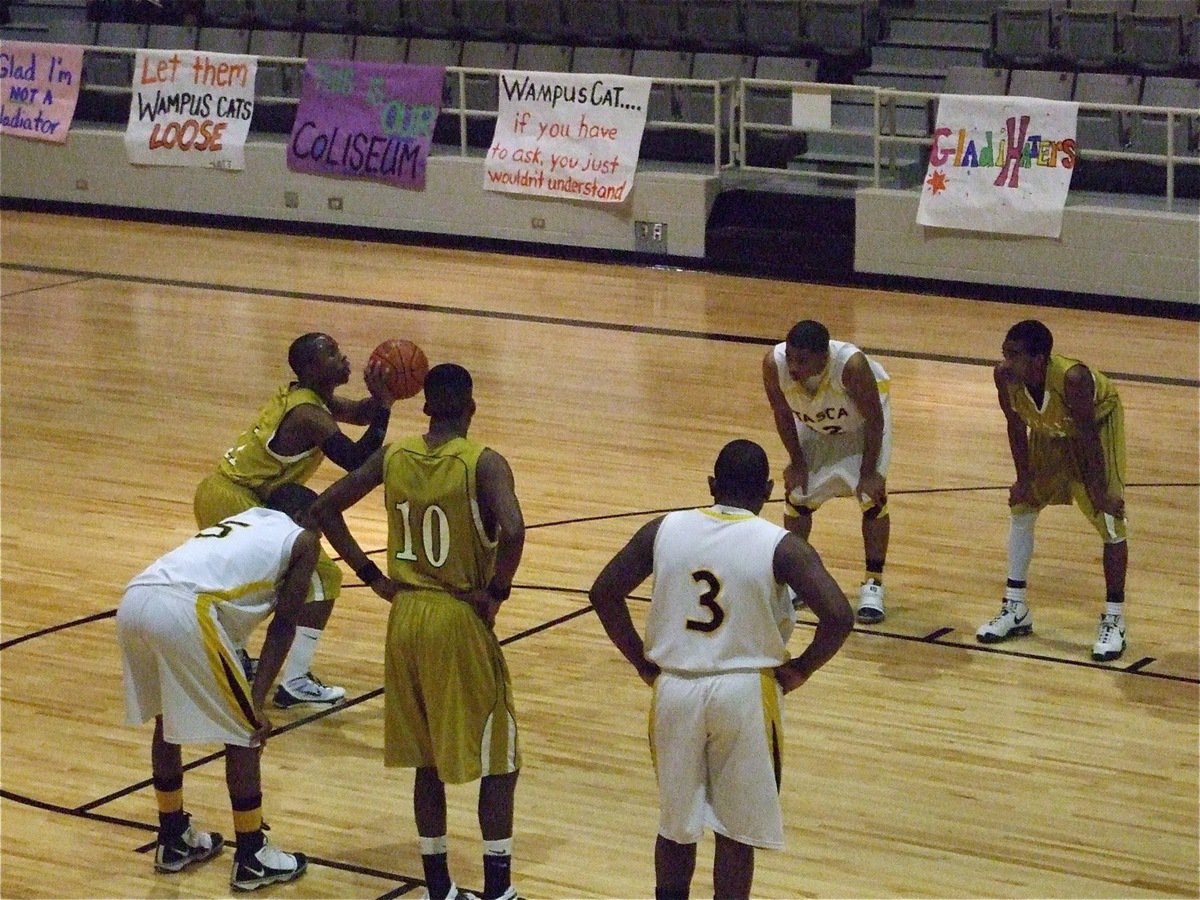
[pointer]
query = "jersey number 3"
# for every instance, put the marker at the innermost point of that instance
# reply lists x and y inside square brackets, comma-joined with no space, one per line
[708,600]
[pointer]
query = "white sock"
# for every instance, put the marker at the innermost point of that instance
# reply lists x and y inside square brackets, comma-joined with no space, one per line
[1114,609]
[1020,545]
[299,661]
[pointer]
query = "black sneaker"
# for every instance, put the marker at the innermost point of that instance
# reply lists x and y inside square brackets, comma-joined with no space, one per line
[190,847]
[267,866]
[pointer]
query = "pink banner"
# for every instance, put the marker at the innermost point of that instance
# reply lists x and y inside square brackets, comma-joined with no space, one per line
[39,85]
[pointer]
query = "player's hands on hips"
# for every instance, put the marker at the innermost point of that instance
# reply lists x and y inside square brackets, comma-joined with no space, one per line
[375,377]
[1020,493]
[873,487]
[485,605]
[795,475]
[789,677]
[385,588]
[649,672]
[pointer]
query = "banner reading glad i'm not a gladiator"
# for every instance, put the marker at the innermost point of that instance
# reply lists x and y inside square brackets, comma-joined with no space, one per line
[1000,164]
[572,136]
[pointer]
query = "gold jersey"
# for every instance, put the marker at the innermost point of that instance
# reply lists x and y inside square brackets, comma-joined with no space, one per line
[1052,417]
[436,537]
[253,464]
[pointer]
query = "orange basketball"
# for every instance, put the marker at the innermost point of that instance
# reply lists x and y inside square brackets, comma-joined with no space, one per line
[404,366]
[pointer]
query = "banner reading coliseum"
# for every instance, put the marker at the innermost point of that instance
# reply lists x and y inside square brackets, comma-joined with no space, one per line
[366,120]
[1000,164]
[190,108]
[573,136]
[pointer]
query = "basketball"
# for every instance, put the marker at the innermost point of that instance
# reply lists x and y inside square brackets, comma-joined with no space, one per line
[404,366]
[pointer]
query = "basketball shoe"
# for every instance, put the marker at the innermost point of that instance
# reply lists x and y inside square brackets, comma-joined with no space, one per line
[1013,619]
[307,689]
[267,866]
[176,853]
[870,602]
[1110,639]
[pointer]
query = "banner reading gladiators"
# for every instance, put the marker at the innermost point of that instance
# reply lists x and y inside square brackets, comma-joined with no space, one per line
[1000,164]
[366,120]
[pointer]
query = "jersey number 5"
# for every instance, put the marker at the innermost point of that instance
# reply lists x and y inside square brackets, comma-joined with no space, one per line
[708,600]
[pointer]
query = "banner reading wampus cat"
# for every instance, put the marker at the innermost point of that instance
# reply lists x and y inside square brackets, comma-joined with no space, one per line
[572,136]
[190,108]
[1000,164]
[366,120]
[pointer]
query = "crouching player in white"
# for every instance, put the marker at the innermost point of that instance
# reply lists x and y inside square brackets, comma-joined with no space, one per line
[716,654]
[179,626]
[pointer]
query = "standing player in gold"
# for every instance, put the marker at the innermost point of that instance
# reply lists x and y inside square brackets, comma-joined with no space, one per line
[1066,432]
[455,537]
[292,434]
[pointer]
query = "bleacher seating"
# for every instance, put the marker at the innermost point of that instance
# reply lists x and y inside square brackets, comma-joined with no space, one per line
[329,15]
[1153,34]
[973,80]
[537,22]
[380,48]
[224,40]
[544,57]
[1041,83]
[715,26]
[1087,33]
[1023,34]
[774,27]
[327,45]
[654,24]
[383,17]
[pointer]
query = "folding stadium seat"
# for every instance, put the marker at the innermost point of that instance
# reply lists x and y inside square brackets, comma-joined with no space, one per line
[226,14]
[610,60]
[1150,129]
[381,17]
[329,15]
[481,90]
[1087,35]
[277,15]
[840,27]
[110,69]
[71,31]
[327,45]
[484,20]
[224,40]
[654,23]
[537,22]
[1041,83]
[773,106]
[773,27]
[172,37]
[973,80]
[380,48]
[1153,35]
[715,26]
[1023,34]
[1105,129]
[596,23]
[544,57]
[434,19]
[697,100]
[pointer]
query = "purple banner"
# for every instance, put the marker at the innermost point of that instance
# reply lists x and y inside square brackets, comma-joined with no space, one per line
[366,120]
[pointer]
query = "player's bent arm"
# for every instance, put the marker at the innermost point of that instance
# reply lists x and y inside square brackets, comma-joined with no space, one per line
[798,565]
[860,384]
[351,454]
[327,509]
[1018,434]
[630,567]
[1079,389]
[502,515]
[358,412]
[785,420]
[289,597]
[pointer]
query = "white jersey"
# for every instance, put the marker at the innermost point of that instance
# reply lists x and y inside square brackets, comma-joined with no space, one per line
[824,405]
[716,605]
[235,564]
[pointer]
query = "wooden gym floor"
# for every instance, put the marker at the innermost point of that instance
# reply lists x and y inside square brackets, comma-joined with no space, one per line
[918,763]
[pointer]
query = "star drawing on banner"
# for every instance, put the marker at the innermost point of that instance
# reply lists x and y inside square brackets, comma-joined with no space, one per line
[936,181]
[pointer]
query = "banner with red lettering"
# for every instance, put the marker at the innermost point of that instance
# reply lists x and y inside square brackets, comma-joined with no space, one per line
[1000,164]
[366,120]
[571,136]
[190,108]
[39,86]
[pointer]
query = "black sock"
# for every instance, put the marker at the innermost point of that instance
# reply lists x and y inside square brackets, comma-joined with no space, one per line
[497,874]
[437,874]
[670,893]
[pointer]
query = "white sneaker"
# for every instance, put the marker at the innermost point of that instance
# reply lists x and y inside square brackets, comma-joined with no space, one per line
[268,866]
[870,602]
[1110,640]
[307,689]
[455,894]
[1013,619]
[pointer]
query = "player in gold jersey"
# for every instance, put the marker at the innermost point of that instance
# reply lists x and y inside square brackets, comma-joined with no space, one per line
[455,538]
[1067,436]
[292,434]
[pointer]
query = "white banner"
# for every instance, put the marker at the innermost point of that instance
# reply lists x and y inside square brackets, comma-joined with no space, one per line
[190,108]
[573,136]
[999,164]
